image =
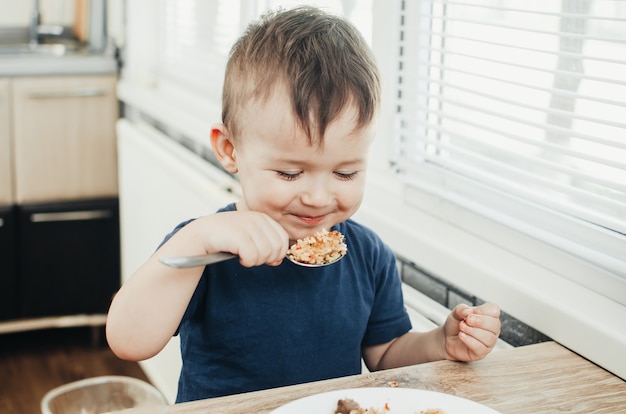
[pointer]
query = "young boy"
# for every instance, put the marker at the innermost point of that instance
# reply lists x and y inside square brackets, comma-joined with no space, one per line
[300,101]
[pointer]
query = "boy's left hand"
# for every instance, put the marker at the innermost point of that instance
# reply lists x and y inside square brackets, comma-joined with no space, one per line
[471,332]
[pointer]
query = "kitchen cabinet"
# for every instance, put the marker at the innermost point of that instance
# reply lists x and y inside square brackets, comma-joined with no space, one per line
[64,138]
[68,257]
[59,242]
[8,267]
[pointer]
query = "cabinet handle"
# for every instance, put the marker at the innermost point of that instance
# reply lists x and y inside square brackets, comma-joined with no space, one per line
[70,216]
[73,93]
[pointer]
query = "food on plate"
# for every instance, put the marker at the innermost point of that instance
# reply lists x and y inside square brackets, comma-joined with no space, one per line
[324,247]
[349,406]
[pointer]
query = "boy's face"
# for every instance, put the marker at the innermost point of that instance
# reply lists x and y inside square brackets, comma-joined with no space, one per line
[304,188]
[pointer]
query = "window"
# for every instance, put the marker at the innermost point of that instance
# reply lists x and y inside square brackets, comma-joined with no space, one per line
[197,35]
[516,111]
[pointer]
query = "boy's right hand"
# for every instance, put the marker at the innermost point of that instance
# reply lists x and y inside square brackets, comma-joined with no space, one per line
[255,237]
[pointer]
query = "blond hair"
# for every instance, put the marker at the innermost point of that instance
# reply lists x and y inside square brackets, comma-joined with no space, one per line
[322,60]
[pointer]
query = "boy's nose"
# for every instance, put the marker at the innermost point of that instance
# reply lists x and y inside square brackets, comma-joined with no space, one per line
[317,194]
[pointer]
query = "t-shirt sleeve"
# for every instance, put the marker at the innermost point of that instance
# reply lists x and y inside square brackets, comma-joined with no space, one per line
[173,232]
[229,207]
[389,318]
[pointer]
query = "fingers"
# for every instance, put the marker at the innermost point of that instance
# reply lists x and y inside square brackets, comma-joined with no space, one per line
[462,311]
[482,329]
[488,309]
[474,350]
[255,237]
[265,242]
[478,329]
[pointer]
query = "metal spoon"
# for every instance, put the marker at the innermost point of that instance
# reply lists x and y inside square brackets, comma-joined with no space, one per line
[184,262]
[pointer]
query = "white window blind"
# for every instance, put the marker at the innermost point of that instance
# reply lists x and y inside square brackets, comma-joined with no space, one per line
[517,110]
[196,37]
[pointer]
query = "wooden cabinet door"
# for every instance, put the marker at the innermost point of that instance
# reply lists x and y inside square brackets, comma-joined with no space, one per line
[6,150]
[64,138]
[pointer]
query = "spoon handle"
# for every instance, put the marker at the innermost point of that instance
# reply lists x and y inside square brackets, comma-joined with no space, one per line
[195,261]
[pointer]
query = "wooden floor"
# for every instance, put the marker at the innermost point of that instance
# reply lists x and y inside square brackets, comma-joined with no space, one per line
[31,363]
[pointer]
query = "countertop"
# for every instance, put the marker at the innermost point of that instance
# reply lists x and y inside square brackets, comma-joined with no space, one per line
[542,378]
[70,64]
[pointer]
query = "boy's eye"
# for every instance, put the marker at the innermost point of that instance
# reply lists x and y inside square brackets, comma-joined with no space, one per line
[288,176]
[346,176]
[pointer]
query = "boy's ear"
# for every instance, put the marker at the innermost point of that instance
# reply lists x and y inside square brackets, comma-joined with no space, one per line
[223,148]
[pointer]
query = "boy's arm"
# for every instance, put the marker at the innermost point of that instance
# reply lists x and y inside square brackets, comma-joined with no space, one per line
[468,334]
[147,310]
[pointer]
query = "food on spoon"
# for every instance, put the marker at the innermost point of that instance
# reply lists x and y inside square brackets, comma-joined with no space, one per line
[324,247]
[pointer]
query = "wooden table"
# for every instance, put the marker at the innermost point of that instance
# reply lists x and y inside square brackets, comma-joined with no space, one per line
[541,378]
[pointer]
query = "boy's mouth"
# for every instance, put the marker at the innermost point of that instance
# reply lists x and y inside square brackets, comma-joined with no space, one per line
[311,220]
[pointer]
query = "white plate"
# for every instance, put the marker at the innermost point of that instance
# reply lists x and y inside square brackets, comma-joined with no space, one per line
[399,400]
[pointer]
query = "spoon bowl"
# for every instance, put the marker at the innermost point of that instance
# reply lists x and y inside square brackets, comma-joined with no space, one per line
[292,260]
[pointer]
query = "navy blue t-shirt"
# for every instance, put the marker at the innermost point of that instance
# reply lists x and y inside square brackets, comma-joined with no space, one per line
[248,329]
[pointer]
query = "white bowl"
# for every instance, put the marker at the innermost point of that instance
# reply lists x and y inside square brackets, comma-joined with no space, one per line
[107,394]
